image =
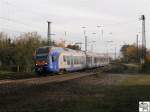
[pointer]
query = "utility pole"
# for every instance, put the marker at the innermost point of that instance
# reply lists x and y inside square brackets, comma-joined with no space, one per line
[102,32]
[92,46]
[85,43]
[107,52]
[143,40]
[85,39]
[49,33]
[115,53]
[65,34]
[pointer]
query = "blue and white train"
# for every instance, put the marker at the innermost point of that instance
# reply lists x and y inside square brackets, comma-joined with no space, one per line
[50,59]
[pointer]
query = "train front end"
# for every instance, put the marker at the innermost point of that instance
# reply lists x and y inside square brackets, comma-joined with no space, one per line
[43,60]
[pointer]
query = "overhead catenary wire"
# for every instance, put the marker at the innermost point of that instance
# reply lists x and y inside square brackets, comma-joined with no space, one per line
[33,27]
[39,14]
[23,9]
[15,21]
[131,21]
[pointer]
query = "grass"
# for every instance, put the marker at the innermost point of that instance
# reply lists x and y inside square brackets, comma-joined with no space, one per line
[15,75]
[141,80]
[122,68]
[76,96]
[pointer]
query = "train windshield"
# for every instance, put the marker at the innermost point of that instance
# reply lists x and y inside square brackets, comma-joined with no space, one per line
[41,57]
[42,50]
[42,53]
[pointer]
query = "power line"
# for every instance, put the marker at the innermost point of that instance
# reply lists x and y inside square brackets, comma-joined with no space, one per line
[18,22]
[30,11]
[23,9]
[119,23]
[13,30]
[17,7]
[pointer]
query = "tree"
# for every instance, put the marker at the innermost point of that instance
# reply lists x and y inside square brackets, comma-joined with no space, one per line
[18,53]
[131,53]
[61,44]
[74,47]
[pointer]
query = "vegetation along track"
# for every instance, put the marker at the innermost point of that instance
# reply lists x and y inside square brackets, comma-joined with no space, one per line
[8,86]
[50,79]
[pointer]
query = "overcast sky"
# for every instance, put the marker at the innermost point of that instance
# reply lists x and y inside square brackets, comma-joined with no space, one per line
[119,18]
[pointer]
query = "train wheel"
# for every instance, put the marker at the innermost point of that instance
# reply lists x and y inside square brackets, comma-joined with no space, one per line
[61,71]
[38,74]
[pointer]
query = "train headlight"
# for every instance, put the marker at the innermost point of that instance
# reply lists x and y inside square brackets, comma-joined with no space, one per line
[46,63]
[51,66]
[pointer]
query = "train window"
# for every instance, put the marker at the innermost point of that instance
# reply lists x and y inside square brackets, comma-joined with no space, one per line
[75,60]
[88,59]
[68,60]
[42,50]
[80,59]
[64,57]
[41,57]
[71,59]
[54,58]
[94,60]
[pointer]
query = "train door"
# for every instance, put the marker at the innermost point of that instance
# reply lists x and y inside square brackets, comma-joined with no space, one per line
[55,63]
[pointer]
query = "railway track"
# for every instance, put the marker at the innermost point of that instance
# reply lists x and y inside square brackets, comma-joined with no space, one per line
[49,79]
[15,86]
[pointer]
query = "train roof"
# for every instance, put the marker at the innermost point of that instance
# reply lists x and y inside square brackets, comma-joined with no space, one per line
[60,49]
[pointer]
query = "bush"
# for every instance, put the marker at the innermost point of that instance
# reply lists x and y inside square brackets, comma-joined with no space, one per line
[115,68]
[121,68]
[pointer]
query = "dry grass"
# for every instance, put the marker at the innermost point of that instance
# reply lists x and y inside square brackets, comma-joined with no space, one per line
[100,93]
